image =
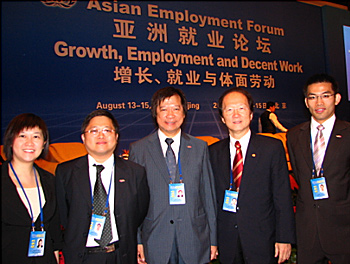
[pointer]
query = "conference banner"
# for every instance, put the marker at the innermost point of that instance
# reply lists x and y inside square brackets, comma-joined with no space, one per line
[63,59]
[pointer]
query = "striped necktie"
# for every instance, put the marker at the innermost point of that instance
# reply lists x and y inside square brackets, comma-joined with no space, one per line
[319,149]
[237,167]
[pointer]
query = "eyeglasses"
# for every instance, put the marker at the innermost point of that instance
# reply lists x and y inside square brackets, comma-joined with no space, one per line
[95,132]
[322,96]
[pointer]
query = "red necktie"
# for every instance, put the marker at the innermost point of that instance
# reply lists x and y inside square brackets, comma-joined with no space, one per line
[237,167]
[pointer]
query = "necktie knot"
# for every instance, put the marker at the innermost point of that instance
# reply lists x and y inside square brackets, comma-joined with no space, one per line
[320,127]
[169,141]
[237,145]
[99,169]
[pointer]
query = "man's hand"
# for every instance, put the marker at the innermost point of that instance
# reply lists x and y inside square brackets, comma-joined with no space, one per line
[140,255]
[282,251]
[213,252]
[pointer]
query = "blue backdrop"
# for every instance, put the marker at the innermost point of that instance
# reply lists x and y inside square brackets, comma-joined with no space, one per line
[62,61]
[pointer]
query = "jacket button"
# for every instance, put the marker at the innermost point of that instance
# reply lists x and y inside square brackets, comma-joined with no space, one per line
[236,226]
[171,222]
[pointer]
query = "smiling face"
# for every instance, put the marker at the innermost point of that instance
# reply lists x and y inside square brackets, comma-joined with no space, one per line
[170,115]
[102,145]
[28,145]
[236,114]
[321,108]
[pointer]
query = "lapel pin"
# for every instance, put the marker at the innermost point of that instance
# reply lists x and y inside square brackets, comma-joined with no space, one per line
[121,180]
[189,147]
[253,155]
[338,136]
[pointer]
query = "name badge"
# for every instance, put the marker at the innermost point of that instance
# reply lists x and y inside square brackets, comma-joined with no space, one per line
[177,193]
[96,226]
[230,201]
[319,188]
[36,244]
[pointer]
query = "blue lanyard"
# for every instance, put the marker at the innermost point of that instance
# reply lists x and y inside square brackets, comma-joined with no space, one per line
[180,169]
[30,207]
[231,179]
[109,191]
[313,162]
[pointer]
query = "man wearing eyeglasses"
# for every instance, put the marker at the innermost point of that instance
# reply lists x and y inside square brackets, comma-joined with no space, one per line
[101,189]
[319,151]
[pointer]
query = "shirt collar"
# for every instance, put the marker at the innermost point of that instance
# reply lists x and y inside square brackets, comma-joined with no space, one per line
[163,137]
[107,164]
[244,141]
[175,145]
[328,124]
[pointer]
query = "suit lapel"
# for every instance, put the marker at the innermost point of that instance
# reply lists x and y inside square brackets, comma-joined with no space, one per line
[82,179]
[251,159]
[334,144]
[225,159]
[156,153]
[304,143]
[185,153]
[119,181]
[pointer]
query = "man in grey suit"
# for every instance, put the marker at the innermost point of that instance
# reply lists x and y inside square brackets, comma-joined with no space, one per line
[180,226]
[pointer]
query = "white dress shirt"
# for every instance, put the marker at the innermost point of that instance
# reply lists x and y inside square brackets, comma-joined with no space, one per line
[327,131]
[107,177]
[244,141]
[175,145]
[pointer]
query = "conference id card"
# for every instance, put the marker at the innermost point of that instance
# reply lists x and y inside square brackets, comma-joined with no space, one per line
[96,226]
[230,201]
[319,188]
[36,244]
[177,193]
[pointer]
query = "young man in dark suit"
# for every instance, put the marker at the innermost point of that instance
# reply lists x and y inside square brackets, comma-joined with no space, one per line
[125,204]
[260,227]
[322,217]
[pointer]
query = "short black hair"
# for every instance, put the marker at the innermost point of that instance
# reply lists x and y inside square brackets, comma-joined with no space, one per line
[320,78]
[99,112]
[269,104]
[166,92]
[238,90]
[17,124]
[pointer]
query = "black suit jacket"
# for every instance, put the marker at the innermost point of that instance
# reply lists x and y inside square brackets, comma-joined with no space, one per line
[329,217]
[74,200]
[16,222]
[264,209]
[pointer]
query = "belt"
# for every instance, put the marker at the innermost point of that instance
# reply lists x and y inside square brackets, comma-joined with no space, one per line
[109,248]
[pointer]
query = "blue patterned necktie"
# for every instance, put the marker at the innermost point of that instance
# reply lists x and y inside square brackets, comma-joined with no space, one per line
[100,198]
[170,159]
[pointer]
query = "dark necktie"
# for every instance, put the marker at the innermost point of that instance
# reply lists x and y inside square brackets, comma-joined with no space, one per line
[319,149]
[170,159]
[100,198]
[237,167]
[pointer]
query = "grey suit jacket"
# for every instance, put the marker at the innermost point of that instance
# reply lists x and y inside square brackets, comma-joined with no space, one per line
[330,218]
[193,224]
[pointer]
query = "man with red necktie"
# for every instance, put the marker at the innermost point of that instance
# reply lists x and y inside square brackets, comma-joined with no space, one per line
[252,168]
